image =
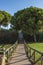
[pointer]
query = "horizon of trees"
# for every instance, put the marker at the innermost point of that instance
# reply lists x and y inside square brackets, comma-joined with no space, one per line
[30,20]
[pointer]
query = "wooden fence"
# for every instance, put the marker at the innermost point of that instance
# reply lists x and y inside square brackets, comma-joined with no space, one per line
[35,57]
[5,55]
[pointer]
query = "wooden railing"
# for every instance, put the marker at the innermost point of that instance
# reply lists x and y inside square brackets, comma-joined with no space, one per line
[35,57]
[3,59]
[5,55]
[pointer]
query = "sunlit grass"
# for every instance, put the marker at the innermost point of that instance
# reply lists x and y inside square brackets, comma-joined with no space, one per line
[37,46]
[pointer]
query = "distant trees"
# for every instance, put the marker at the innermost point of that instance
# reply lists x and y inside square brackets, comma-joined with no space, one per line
[30,20]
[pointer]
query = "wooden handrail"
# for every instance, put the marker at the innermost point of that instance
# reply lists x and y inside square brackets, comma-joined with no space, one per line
[3,53]
[31,55]
[3,59]
[35,50]
[10,48]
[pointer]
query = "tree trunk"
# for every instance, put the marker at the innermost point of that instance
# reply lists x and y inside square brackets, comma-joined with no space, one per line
[0,27]
[35,37]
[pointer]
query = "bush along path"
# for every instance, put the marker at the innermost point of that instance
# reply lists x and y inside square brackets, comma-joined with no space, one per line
[19,57]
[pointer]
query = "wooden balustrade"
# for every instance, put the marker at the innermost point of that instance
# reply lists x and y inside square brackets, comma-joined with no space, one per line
[32,53]
[3,59]
[10,50]
[5,54]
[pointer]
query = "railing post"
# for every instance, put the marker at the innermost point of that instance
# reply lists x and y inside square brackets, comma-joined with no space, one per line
[30,52]
[42,59]
[7,55]
[26,50]
[34,56]
[3,59]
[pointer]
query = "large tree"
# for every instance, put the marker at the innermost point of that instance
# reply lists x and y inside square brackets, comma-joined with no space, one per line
[29,20]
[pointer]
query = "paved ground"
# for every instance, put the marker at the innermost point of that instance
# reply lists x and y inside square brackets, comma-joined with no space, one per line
[19,57]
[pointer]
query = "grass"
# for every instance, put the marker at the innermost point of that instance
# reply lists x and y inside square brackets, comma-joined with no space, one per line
[6,46]
[39,47]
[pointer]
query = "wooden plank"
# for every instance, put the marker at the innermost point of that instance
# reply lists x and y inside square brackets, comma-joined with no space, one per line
[19,57]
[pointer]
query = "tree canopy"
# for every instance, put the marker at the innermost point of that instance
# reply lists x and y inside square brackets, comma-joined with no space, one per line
[30,20]
[4,18]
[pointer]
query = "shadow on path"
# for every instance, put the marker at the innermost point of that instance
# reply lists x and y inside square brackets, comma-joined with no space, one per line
[19,57]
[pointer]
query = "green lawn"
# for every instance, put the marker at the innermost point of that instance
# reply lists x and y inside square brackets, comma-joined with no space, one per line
[37,46]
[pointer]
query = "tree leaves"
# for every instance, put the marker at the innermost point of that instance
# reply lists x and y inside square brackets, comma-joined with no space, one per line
[4,18]
[27,19]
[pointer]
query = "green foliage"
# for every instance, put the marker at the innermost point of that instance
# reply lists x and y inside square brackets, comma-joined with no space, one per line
[4,18]
[1,17]
[39,36]
[29,38]
[30,20]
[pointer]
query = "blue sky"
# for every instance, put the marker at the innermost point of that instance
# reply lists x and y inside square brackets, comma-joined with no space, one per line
[7,27]
[13,6]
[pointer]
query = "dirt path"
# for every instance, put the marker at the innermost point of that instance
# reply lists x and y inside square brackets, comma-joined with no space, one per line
[19,57]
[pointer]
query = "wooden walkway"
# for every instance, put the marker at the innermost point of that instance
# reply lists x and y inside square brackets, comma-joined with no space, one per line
[19,57]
